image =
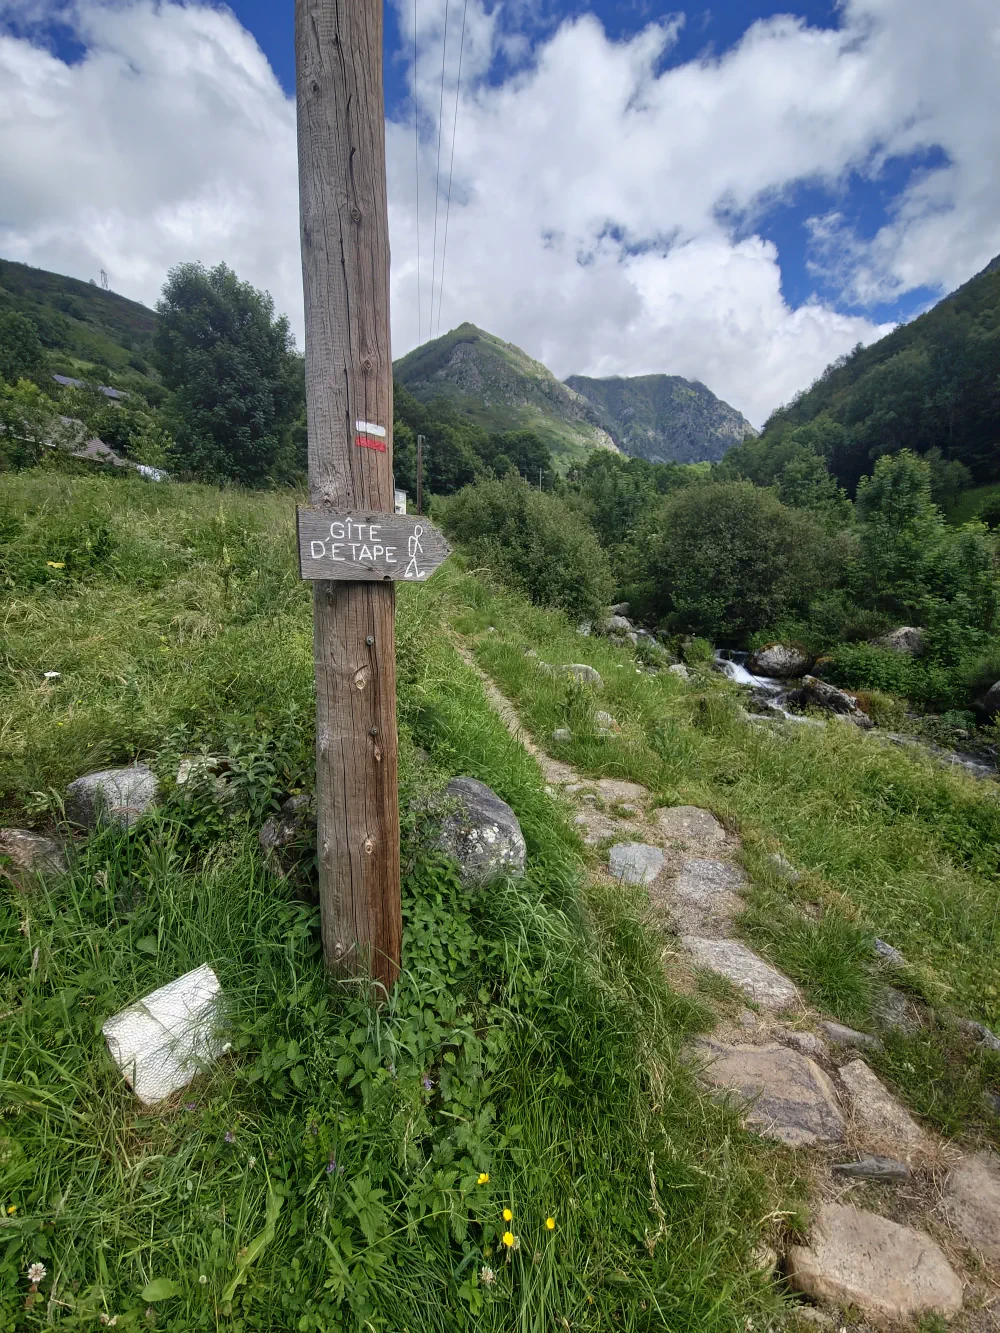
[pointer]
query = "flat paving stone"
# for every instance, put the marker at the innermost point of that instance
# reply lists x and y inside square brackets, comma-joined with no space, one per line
[635,862]
[883,1121]
[972,1202]
[758,980]
[595,826]
[705,896]
[617,789]
[858,1258]
[789,1097]
[691,828]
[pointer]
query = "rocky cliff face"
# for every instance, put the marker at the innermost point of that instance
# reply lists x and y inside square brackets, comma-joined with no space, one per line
[664,418]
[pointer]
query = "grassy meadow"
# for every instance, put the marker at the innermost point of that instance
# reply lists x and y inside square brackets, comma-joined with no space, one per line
[346,1166]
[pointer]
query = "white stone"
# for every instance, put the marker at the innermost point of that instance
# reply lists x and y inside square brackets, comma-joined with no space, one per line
[117,796]
[163,1040]
[857,1258]
[689,827]
[679,669]
[758,981]
[635,862]
[586,675]
[972,1202]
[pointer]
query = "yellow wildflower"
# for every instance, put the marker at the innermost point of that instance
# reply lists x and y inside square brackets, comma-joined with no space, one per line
[484,1178]
[550,1223]
[508,1239]
[56,564]
[508,1216]
[12,1210]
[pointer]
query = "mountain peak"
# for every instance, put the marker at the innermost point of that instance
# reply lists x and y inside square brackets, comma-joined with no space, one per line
[664,418]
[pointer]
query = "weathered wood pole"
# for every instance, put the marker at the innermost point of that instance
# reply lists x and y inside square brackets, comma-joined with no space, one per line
[420,474]
[345,271]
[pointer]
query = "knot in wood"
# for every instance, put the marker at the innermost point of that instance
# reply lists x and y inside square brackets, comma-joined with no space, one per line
[356,214]
[367,365]
[368,846]
[361,677]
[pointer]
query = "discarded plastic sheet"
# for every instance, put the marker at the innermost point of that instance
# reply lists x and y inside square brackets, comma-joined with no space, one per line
[163,1040]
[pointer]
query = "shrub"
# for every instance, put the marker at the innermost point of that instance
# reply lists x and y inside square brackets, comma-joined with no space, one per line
[532,542]
[730,559]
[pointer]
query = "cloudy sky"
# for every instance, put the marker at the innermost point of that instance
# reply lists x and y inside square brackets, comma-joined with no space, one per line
[736,191]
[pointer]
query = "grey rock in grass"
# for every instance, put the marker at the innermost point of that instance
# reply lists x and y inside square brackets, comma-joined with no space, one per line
[788,1097]
[992,1102]
[783,868]
[679,669]
[779,659]
[115,796]
[482,833]
[691,828]
[605,722]
[990,702]
[621,609]
[596,826]
[635,862]
[908,639]
[704,897]
[895,1011]
[561,735]
[758,981]
[884,1169]
[972,1202]
[586,675]
[842,1035]
[882,1120]
[888,953]
[586,628]
[858,1258]
[31,856]
[980,1033]
[286,828]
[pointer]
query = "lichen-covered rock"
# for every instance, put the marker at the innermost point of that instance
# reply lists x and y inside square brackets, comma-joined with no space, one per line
[482,833]
[621,609]
[690,828]
[857,1258]
[617,625]
[815,693]
[679,669]
[30,856]
[908,639]
[705,896]
[783,660]
[561,735]
[116,796]
[605,722]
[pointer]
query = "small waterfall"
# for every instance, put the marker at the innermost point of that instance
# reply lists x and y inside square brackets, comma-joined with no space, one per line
[769,693]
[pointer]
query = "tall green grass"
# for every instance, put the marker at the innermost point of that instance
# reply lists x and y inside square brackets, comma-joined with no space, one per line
[327,1173]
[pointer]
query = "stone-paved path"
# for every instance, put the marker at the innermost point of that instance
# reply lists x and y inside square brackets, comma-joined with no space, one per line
[927,1240]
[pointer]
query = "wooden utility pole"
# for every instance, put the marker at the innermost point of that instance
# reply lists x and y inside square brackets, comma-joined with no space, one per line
[345,269]
[420,474]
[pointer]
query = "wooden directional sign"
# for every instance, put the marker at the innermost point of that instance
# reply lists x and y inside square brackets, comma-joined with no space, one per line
[368,548]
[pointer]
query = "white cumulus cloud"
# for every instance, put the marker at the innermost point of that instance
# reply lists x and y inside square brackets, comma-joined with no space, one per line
[604,200]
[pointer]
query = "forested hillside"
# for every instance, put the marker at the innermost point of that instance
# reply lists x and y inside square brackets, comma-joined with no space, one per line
[664,418]
[932,386]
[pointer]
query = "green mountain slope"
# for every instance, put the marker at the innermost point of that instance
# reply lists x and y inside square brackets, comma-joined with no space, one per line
[502,388]
[88,326]
[664,418]
[932,384]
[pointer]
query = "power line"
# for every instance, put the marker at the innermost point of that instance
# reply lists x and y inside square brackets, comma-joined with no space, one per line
[437,183]
[416,164]
[451,168]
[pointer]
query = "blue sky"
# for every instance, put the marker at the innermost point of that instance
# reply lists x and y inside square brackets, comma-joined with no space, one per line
[735,192]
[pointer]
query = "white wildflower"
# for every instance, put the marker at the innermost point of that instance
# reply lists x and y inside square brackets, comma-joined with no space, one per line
[487,1276]
[203,1279]
[36,1273]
